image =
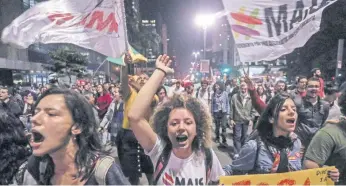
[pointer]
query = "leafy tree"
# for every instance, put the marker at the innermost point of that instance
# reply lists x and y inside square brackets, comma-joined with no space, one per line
[67,63]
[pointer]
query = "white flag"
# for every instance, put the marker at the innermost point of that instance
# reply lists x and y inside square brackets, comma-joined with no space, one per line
[94,24]
[266,30]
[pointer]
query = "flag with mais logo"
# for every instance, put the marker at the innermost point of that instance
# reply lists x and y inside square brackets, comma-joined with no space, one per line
[266,30]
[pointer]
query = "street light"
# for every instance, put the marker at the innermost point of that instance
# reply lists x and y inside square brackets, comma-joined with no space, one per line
[196,54]
[205,21]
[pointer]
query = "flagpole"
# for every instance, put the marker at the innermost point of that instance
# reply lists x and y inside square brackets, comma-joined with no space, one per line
[125,35]
[98,68]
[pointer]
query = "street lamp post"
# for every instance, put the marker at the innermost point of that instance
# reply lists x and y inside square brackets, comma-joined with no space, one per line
[204,41]
[196,55]
[204,21]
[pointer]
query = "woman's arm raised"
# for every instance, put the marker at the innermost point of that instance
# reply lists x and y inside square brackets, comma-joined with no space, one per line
[139,125]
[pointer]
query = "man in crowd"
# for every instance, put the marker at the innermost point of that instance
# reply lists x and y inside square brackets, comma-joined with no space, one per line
[331,96]
[189,89]
[132,158]
[316,72]
[203,93]
[328,146]
[177,89]
[300,90]
[241,113]
[8,103]
[312,111]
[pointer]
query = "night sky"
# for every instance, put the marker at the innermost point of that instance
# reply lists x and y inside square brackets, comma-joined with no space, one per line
[185,35]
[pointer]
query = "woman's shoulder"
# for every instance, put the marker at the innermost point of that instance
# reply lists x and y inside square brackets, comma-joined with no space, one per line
[115,176]
[107,172]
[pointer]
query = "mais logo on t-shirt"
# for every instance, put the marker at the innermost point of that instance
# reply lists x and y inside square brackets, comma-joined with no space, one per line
[167,179]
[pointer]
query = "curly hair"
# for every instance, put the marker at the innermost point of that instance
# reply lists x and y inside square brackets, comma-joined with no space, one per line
[200,113]
[14,146]
[221,85]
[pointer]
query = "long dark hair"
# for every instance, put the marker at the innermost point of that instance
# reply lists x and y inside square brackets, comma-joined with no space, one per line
[14,146]
[272,111]
[221,85]
[88,140]
[159,89]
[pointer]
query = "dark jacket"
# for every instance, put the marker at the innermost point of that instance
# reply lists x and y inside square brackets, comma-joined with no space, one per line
[13,107]
[239,111]
[256,158]
[310,118]
[114,174]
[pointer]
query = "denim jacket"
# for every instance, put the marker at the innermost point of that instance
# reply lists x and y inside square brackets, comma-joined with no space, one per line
[224,103]
[262,161]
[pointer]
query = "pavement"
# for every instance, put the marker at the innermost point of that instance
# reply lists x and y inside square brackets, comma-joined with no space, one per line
[222,152]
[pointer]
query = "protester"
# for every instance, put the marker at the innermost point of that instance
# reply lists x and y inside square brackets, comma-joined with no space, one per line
[65,142]
[181,134]
[316,72]
[220,110]
[331,96]
[189,89]
[300,90]
[132,158]
[9,104]
[176,89]
[103,100]
[92,99]
[328,146]
[162,94]
[231,87]
[312,111]
[262,94]
[113,119]
[241,114]
[276,149]
[203,93]
[14,148]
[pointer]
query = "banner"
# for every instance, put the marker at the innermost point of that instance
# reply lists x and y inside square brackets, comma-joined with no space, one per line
[266,30]
[204,66]
[94,24]
[304,177]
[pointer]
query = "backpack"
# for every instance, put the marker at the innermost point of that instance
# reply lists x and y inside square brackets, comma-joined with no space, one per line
[164,158]
[37,169]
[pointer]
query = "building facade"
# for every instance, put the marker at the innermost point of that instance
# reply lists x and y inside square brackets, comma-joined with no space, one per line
[24,66]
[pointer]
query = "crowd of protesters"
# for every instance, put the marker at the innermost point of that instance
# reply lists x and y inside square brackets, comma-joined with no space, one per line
[65,135]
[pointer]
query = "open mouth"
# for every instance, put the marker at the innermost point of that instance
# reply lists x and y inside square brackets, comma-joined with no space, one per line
[37,137]
[181,138]
[291,121]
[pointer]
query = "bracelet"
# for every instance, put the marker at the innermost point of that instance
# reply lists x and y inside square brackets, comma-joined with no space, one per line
[161,71]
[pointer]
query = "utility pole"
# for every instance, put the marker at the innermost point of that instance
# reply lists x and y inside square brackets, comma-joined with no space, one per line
[339,58]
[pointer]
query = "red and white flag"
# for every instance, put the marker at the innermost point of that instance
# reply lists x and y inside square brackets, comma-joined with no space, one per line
[94,24]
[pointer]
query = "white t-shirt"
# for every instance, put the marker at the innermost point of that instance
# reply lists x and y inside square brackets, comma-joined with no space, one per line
[173,90]
[189,171]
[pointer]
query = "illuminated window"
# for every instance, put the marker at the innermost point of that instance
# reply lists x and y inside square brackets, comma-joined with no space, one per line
[28,3]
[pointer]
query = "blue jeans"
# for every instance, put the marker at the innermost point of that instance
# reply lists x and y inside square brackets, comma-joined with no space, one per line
[239,135]
[220,120]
